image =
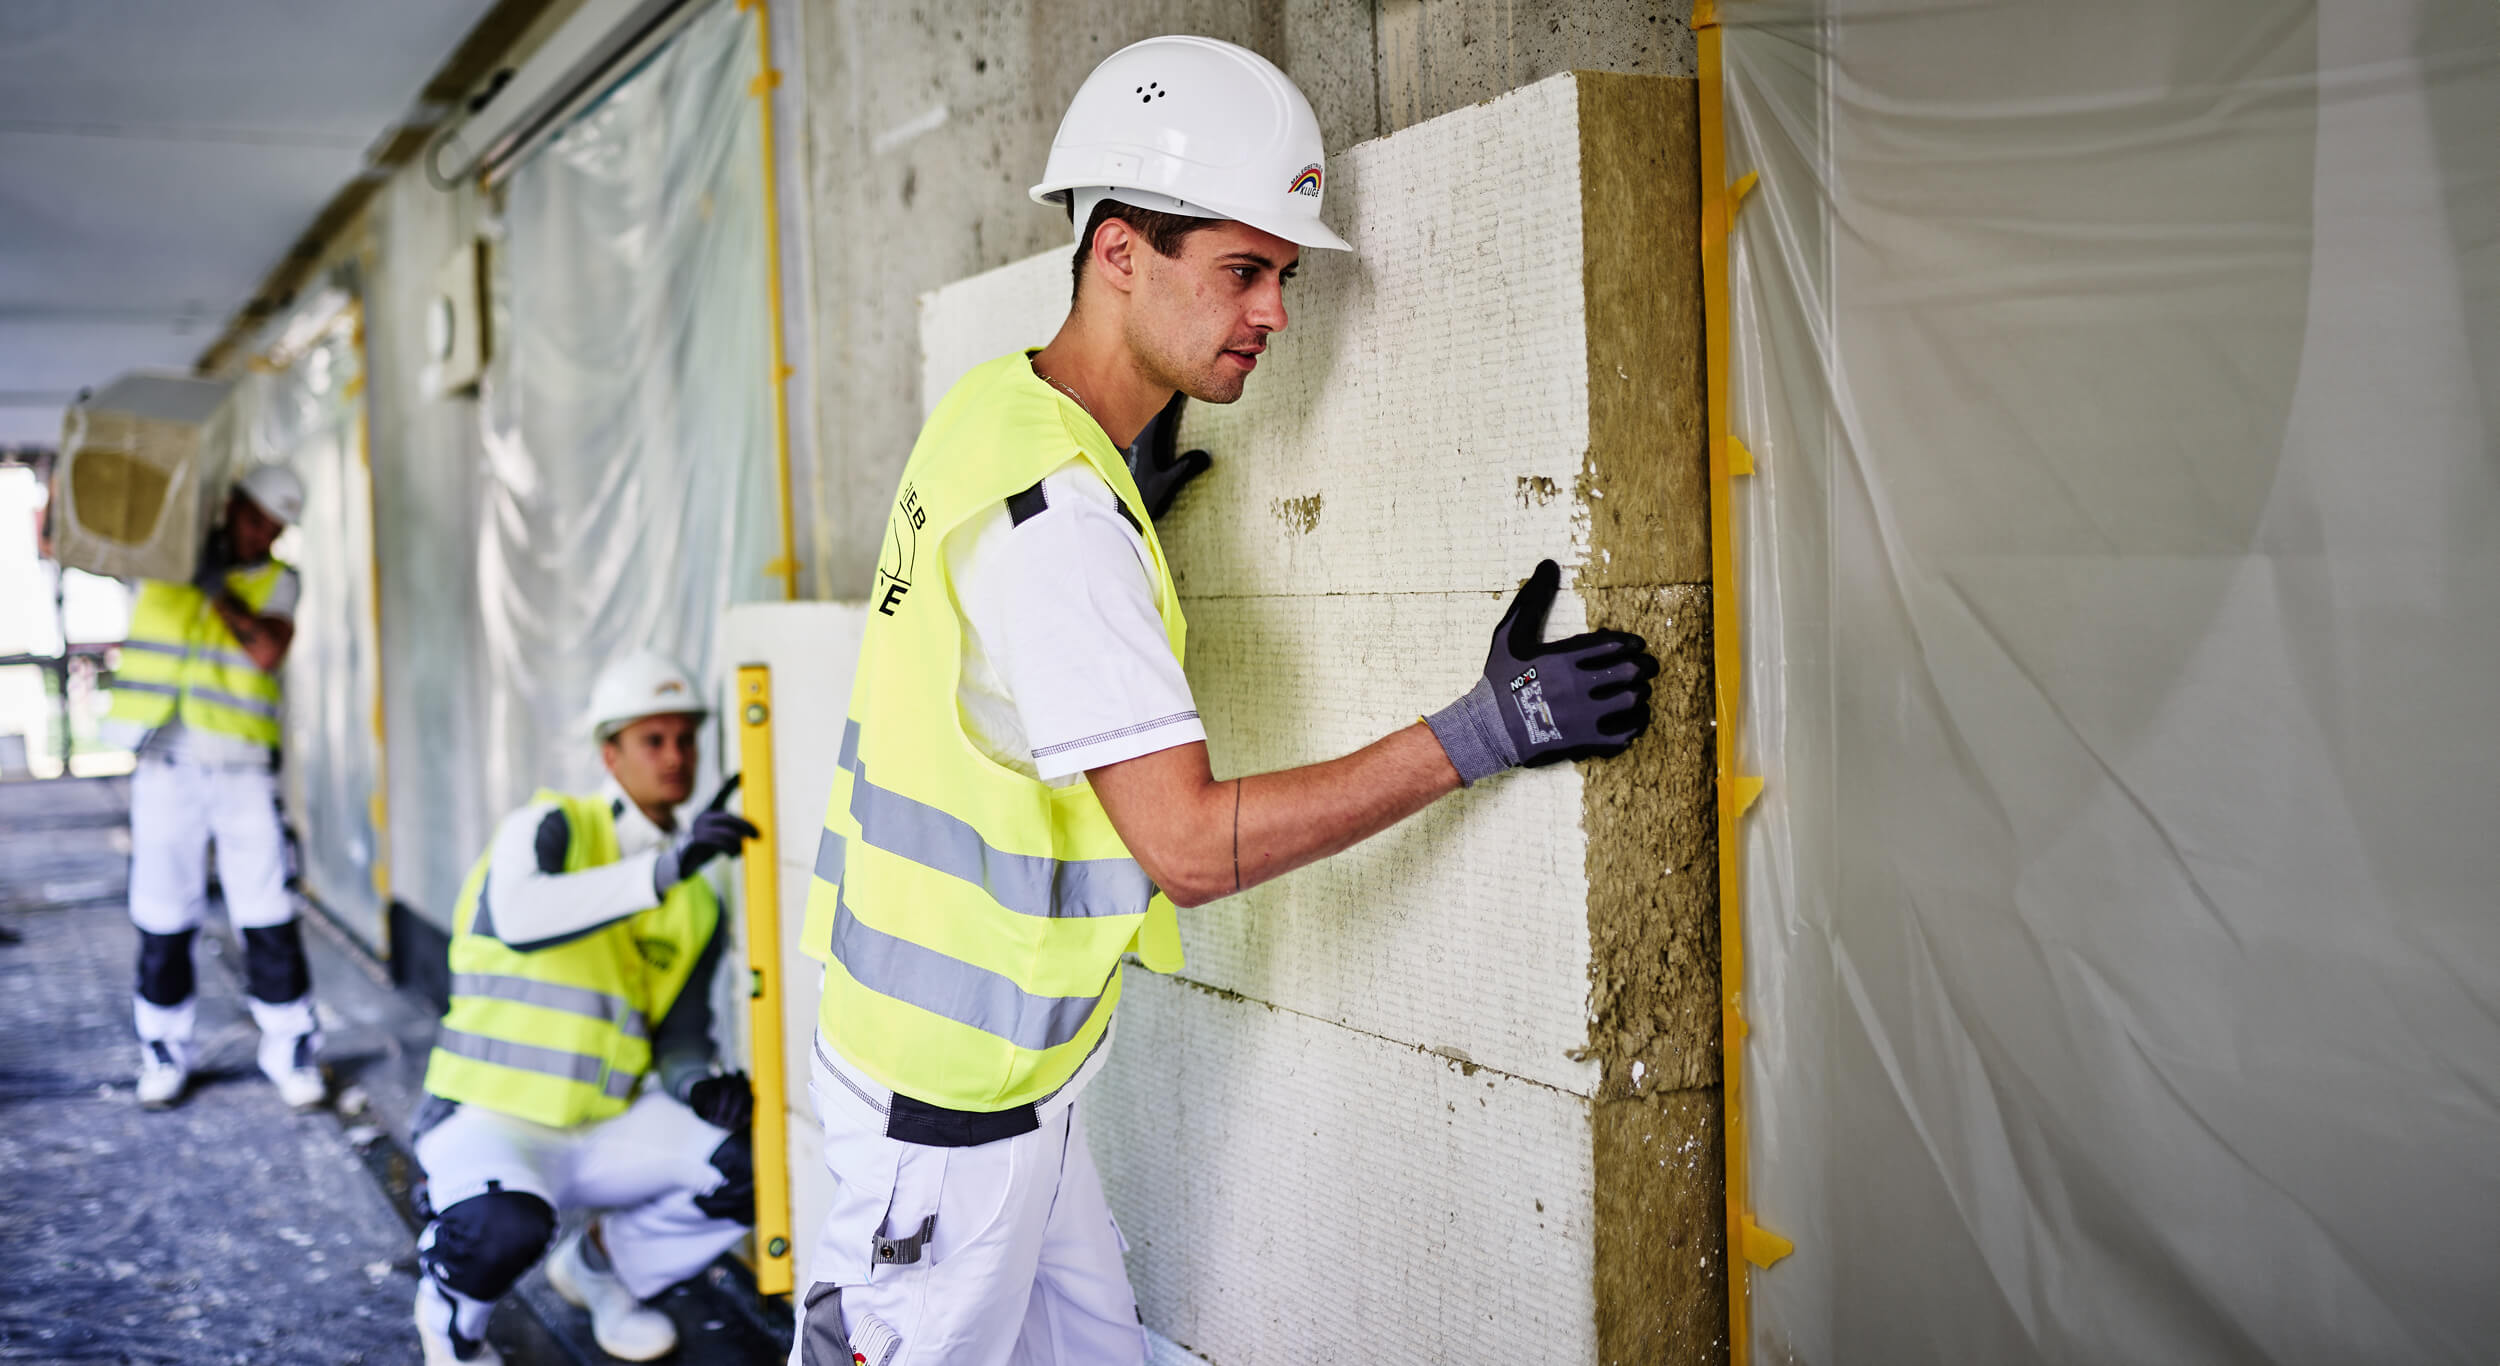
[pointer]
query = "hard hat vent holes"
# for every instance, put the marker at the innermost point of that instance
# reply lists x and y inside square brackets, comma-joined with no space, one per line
[1150,92]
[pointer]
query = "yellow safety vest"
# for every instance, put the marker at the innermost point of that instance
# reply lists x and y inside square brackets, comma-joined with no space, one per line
[560,1035]
[181,661]
[971,918]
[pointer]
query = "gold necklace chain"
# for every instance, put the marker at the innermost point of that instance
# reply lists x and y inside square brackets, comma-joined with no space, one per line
[1063,388]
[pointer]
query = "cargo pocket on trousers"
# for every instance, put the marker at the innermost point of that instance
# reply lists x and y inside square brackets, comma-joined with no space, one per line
[824,1341]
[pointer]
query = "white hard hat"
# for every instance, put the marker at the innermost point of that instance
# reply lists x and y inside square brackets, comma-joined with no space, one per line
[1193,126]
[276,491]
[644,683]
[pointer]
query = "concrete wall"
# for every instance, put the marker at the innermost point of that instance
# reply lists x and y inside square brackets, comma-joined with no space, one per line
[1450,1096]
[927,122]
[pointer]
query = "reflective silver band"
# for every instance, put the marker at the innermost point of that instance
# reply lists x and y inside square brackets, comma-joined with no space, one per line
[227,699]
[619,1085]
[582,1001]
[829,852]
[232,659]
[132,685]
[524,1057]
[1028,884]
[956,990]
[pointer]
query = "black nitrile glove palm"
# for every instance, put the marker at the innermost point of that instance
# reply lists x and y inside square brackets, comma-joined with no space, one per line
[725,1102]
[1541,701]
[713,834]
[1160,474]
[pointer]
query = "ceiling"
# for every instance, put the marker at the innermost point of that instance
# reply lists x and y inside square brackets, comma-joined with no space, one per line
[158,157]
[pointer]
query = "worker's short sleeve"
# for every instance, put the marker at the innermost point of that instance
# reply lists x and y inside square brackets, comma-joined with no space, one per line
[1059,590]
[283,596]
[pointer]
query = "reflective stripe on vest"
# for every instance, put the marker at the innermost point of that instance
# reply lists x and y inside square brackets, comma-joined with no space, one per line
[529,991]
[1027,884]
[181,661]
[561,1035]
[971,918]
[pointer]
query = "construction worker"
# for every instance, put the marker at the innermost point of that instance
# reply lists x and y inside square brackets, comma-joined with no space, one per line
[574,1069]
[1023,769]
[197,697]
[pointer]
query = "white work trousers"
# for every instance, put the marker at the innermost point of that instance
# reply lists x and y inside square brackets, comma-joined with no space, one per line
[1022,1264]
[176,808]
[642,1169]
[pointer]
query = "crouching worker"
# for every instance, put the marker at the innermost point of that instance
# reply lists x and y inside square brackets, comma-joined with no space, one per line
[574,1069]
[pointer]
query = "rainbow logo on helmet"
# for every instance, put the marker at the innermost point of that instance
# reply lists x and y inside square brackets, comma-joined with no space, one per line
[1307,182]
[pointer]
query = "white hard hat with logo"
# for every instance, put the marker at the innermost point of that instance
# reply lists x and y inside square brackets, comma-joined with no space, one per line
[644,683]
[276,491]
[1193,126]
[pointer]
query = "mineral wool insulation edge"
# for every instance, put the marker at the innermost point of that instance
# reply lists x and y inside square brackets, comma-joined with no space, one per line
[1453,1095]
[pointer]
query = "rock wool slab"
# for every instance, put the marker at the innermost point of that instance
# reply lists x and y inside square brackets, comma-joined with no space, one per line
[1452,1095]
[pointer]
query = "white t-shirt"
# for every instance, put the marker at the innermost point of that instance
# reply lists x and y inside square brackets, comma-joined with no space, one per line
[1065,663]
[206,749]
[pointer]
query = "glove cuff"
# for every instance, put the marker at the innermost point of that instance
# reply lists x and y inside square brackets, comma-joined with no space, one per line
[1470,731]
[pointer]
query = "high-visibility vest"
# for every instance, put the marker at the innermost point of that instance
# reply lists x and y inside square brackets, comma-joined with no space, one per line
[180,661]
[971,918]
[560,1035]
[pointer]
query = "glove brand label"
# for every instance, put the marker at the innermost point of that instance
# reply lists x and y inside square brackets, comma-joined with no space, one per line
[1529,694]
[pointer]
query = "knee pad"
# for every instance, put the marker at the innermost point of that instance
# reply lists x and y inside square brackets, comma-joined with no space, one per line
[734,1198]
[165,974]
[483,1244]
[274,969]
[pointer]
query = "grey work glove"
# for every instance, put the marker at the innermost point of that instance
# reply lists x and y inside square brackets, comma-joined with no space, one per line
[1160,474]
[215,560]
[1541,701]
[713,834]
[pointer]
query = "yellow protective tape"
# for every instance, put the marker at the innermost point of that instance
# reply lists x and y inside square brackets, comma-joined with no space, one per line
[762,867]
[1749,1244]
[786,567]
[378,805]
[1746,790]
[1763,1247]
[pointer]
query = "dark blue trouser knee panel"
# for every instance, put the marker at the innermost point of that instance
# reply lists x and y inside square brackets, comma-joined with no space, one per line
[274,969]
[485,1243]
[165,973]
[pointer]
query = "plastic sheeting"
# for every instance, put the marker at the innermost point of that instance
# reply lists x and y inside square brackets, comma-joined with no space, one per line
[629,444]
[309,415]
[2122,595]
[428,481]
[627,490]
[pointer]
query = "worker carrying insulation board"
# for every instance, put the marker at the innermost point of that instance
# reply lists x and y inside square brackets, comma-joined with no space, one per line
[1024,792]
[197,697]
[574,1069]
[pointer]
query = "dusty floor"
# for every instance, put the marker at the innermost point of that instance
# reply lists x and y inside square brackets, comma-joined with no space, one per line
[227,1229]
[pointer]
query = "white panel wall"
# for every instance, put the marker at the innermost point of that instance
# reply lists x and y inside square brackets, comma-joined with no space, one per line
[1351,1128]
[812,648]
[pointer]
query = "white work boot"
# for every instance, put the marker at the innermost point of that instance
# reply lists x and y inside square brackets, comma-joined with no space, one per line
[624,1327]
[439,1333]
[162,1074]
[289,1063]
